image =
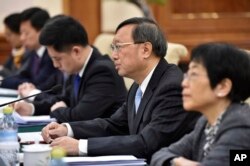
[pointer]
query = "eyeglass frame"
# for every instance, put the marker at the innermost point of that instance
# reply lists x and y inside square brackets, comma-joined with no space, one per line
[115,47]
[192,76]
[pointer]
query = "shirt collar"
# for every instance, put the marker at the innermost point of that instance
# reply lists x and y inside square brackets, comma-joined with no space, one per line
[86,63]
[145,82]
[40,51]
[17,51]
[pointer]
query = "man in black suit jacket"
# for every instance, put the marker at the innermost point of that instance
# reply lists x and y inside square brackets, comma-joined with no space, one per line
[39,66]
[101,90]
[18,55]
[138,49]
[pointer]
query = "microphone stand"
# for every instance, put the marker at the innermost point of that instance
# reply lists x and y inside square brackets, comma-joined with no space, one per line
[55,88]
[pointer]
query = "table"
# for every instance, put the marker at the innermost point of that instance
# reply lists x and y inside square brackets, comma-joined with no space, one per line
[35,128]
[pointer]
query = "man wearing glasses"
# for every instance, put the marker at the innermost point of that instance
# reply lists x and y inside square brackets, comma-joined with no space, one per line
[152,116]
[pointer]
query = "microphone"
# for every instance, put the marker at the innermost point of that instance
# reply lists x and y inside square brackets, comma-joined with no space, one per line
[54,89]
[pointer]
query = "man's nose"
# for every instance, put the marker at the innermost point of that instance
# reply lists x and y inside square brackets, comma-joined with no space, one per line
[114,55]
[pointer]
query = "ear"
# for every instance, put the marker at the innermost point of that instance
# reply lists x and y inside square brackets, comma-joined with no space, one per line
[147,49]
[75,50]
[223,88]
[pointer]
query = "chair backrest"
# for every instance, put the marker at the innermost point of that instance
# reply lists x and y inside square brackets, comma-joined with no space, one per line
[103,41]
[175,52]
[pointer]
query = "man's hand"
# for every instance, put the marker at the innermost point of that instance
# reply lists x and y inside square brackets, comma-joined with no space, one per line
[24,108]
[57,105]
[25,89]
[53,130]
[181,161]
[67,143]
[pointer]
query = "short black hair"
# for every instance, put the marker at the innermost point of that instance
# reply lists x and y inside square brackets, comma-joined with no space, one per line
[62,32]
[37,17]
[146,30]
[13,21]
[223,60]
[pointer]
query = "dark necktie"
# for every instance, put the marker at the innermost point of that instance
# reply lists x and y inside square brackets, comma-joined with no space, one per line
[138,97]
[77,81]
[36,64]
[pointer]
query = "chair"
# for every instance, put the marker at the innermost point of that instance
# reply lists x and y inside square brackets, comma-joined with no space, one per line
[103,41]
[175,52]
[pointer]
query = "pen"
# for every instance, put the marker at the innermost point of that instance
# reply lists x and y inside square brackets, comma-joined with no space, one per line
[50,141]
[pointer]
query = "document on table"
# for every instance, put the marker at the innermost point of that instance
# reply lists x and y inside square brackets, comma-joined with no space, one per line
[32,120]
[4,100]
[114,160]
[4,92]
[30,136]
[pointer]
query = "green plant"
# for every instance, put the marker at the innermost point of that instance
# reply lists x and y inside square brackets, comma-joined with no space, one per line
[160,2]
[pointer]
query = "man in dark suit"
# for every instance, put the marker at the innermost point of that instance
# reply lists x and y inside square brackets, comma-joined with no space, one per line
[138,127]
[39,67]
[18,56]
[99,92]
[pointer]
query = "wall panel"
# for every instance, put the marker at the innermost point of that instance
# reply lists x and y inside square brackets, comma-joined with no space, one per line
[192,22]
[5,49]
[189,22]
[87,12]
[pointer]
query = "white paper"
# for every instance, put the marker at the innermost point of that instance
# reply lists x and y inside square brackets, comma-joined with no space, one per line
[6,99]
[8,92]
[30,136]
[114,160]
[32,119]
[100,158]
[110,164]
[43,118]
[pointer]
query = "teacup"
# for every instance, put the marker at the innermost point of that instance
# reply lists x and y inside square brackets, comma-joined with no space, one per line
[36,155]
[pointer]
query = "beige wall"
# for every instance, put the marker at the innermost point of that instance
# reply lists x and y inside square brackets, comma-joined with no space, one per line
[9,6]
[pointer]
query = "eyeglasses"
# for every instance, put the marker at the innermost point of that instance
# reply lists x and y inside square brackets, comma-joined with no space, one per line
[117,46]
[192,76]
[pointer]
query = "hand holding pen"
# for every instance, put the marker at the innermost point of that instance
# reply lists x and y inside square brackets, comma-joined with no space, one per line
[53,130]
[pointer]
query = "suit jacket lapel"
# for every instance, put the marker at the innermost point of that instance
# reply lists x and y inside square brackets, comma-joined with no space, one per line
[154,81]
[131,107]
[148,94]
[95,54]
[82,82]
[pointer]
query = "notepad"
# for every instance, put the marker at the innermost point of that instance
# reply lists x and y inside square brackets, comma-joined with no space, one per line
[4,92]
[113,160]
[30,136]
[32,120]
